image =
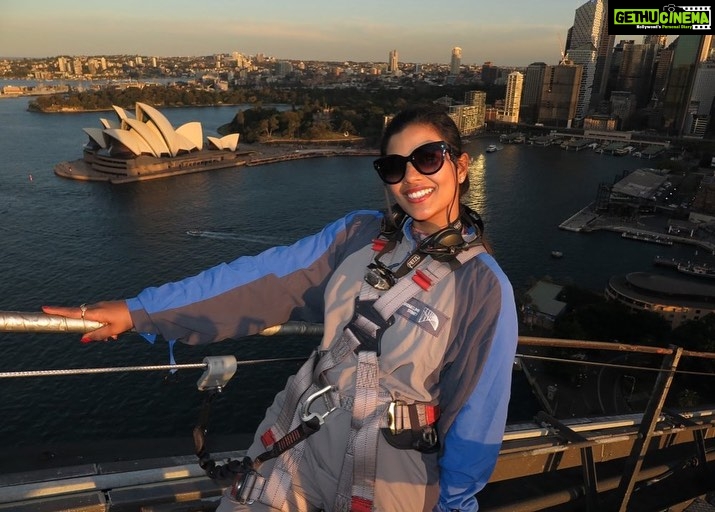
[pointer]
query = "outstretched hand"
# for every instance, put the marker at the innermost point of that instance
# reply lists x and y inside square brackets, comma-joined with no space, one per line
[113,314]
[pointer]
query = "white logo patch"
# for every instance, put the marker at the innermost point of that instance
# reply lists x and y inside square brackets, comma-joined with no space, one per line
[427,315]
[423,316]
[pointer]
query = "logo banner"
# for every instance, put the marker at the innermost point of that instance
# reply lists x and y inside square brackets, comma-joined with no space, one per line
[629,17]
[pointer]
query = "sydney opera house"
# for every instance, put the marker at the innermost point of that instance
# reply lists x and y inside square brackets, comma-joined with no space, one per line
[145,145]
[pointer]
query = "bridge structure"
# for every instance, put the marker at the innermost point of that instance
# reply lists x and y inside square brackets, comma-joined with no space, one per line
[643,451]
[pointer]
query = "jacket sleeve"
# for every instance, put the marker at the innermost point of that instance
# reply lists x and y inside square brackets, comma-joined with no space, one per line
[482,371]
[243,297]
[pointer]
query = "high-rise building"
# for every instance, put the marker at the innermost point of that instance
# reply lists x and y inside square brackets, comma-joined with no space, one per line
[456,61]
[604,52]
[690,52]
[62,64]
[584,43]
[531,92]
[559,94]
[392,62]
[512,101]
[663,61]
[623,106]
[698,116]
[470,117]
[77,66]
[636,71]
[489,73]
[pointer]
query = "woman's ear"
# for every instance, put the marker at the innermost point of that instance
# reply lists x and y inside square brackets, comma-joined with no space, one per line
[463,167]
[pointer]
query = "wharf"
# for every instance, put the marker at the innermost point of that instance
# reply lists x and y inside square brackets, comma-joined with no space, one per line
[587,220]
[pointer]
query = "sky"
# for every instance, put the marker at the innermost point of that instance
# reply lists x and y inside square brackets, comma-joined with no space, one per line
[505,32]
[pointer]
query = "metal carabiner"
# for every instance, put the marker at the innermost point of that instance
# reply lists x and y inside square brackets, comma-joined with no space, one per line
[306,415]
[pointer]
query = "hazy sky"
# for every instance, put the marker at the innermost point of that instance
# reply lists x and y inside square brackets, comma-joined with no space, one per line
[506,32]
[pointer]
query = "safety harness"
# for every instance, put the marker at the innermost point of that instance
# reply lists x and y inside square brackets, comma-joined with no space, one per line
[405,426]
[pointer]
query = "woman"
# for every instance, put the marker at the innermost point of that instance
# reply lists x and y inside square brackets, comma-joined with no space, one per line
[403,405]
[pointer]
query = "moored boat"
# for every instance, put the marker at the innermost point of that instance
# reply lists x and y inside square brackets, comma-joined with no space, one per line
[694,269]
[647,237]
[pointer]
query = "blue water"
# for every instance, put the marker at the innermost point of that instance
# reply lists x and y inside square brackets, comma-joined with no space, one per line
[67,242]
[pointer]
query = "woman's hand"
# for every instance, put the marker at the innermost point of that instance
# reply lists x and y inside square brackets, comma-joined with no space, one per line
[113,314]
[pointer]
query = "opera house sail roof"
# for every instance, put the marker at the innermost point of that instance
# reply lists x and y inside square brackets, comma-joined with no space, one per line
[144,145]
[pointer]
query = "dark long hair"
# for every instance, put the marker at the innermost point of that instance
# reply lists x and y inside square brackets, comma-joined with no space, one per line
[433,116]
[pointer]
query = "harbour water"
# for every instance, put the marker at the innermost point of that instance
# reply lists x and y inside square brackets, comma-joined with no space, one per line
[67,242]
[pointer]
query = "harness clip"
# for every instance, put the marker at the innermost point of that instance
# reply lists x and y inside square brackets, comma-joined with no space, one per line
[242,487]
[306,415]
[392,410]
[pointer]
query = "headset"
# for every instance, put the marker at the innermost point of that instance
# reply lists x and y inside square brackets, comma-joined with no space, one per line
[443,246]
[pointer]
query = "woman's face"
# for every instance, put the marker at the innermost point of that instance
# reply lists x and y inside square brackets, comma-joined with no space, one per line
[427,199]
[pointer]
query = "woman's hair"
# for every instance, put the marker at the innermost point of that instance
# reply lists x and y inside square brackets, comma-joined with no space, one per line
[433,116]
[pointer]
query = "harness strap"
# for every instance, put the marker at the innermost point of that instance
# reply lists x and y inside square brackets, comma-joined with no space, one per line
[362,448]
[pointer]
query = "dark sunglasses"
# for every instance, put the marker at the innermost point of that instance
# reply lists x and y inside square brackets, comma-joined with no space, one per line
[427,159]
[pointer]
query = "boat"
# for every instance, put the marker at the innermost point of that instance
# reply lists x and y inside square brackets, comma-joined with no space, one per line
[491,148]
[651,458]
[557,254]
[647,237]
[665,262]
[694,269]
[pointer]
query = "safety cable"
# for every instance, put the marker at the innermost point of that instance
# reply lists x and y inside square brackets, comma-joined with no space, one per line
[612,365]
[188,366]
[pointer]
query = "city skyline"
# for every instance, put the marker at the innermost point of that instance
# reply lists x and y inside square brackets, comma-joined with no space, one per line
[507,34]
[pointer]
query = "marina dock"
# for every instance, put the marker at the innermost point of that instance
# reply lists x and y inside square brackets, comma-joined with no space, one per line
[587,220]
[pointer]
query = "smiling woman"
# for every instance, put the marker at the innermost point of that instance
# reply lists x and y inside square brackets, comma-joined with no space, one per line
[402,366]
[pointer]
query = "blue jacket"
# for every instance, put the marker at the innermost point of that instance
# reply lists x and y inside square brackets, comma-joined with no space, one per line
[453,345]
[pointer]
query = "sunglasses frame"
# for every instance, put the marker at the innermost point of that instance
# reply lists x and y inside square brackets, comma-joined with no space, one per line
[411,158]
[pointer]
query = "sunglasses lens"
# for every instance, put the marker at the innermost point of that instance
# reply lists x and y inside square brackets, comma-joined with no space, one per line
[391,168]
[428,159]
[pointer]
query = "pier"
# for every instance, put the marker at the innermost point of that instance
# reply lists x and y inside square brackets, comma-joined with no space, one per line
[587,220]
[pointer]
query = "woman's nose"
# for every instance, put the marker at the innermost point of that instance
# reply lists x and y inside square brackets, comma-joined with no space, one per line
[410,171]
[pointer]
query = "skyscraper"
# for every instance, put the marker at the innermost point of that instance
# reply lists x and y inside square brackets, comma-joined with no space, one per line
[636,71]
[456,61]
[559,94]
[690,52]
[584,45]
[514,83]
[604,52]
[392,62]
[701,101]
[531,95]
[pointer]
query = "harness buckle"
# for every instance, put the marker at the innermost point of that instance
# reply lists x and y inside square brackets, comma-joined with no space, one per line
[306,415]
[429,436]
[392,411]
[243,486]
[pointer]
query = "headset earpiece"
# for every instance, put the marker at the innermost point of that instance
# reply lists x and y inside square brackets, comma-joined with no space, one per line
[393,220]
[444,245]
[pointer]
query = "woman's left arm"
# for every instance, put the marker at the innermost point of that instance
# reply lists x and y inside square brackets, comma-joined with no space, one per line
[478,393]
